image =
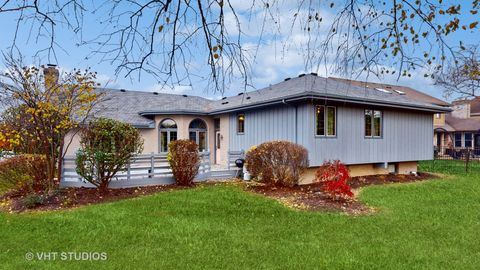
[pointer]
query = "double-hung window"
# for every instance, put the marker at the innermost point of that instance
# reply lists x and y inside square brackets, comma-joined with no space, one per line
[325,121]
[468,139]
[373,123]
[458,139]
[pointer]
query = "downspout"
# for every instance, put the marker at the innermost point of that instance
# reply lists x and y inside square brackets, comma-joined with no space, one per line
[296,118]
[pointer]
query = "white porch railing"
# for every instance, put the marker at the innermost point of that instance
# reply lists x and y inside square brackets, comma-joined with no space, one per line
[232,157]
[145,169]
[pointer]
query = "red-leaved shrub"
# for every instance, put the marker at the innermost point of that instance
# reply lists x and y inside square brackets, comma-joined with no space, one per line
[277,162]
[334,175]
[24,173]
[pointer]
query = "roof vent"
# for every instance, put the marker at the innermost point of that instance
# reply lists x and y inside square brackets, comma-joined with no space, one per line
[223,98]
[155,93]
[287,79]
[399,92]
[249,97]
[383,90]
[123,90]
[314,74]
[184,95]
[226,102]
[240,94]
[301,75]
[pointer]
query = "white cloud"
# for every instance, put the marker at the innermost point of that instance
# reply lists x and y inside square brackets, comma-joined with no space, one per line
[176,89]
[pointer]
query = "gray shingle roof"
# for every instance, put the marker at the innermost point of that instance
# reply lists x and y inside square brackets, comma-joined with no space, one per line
[315,86]
[397,90]
[133,106]
[126,106]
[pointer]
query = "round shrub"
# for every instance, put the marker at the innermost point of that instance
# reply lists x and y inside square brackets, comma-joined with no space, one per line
[107,146]
[184,161]
[277,162]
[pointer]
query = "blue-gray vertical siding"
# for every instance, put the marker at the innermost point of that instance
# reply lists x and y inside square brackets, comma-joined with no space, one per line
[263,125]
[407,135]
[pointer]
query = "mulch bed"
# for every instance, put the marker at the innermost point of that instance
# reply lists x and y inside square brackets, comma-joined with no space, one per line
[311,197]
[304,197]
[361,181]
[72,197]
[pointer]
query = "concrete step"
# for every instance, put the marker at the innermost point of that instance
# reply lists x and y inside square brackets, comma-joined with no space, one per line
[223,174]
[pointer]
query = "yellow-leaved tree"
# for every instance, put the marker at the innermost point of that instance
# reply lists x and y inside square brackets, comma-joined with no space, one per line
[41,107]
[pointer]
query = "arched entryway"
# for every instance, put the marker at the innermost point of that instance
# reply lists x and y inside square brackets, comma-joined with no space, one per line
[197,132]
[168,133]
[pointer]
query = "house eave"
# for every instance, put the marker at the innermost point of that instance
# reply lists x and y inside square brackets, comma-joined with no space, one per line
[186,112]
[316,96]
[144,126]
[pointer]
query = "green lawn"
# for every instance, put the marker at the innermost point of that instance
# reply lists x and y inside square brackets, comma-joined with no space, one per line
[451,166]
[429,225]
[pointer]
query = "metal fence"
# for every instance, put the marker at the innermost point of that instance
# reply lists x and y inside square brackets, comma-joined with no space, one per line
[455,160]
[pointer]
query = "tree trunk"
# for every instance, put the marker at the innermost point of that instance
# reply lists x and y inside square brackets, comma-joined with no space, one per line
[50,172]
[60,163]
[103,187]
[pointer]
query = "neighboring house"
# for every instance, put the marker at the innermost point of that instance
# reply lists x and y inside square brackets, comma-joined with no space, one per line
[370,129]
[461,128]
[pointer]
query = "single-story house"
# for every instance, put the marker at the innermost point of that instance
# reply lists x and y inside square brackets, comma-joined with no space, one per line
[370,129]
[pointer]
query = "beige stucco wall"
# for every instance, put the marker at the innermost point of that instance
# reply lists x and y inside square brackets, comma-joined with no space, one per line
[183,121]
[72,143]
[150,140]
[222,157]
[366,169]
[439,119]
[361,170]
[151,136]
[407,167]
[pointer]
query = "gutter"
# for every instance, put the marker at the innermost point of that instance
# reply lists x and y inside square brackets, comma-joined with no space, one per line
[147,113]
[151,125]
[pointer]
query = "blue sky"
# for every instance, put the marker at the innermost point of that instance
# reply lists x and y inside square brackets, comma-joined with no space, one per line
[278,55]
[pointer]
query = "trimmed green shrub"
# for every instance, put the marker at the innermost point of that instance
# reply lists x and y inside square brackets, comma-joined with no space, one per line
[106,148]
[24,173]
[277,163]
[184,161]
